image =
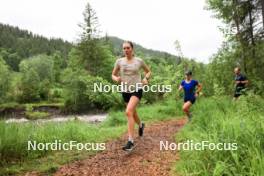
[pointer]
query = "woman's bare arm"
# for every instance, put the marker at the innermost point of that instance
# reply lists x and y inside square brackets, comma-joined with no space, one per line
[115,75]
[147,74]
[199,89]
[180,88]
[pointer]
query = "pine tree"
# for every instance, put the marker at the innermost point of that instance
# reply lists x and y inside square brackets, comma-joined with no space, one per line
[90,25]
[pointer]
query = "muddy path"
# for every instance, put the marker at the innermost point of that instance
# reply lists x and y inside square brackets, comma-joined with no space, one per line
[146,159]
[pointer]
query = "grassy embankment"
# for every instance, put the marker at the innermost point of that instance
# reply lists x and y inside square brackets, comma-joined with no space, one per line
[221,120]
[15,158]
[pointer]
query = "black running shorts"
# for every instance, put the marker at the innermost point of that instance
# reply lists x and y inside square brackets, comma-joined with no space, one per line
[127,95]
[192,100]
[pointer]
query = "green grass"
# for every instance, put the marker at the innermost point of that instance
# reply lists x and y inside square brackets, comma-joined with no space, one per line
[13,105]
[48,104]
[29,107]
[149,113]
[220,120]
[37,115]
[16,159]
[14,139]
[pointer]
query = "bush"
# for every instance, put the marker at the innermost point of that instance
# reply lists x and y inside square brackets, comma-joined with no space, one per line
[41,64]
[79,93]
[4,80]
[55,94]
[44,89]
[37,115]
[37,78]
[29,86]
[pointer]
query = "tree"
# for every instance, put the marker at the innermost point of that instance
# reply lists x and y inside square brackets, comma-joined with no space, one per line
[178,49]
[4,80]
[94,53]
[90,25]
[11,59]
[30,86]
[24,44]
[43,65]
[36,86]
[242,19]
[244,34]
[58,64]
[262,9]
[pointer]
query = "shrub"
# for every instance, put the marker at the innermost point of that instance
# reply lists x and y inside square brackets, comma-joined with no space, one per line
[29,86]
[4,80]
[79,92]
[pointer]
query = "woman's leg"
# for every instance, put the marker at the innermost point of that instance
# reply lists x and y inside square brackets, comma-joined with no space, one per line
[130,110]
[136,118]
[186,107]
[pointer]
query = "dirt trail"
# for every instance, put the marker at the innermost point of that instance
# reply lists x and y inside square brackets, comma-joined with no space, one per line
[146,159]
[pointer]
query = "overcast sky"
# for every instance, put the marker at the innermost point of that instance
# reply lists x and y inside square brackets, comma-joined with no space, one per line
[154,24]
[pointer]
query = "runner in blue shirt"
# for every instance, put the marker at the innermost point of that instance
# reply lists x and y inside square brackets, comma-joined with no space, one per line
[189,85]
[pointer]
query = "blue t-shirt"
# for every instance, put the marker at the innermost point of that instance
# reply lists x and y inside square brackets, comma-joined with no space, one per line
[189,89]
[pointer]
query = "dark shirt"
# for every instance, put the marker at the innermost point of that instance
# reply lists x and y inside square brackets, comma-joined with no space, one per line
[240,77]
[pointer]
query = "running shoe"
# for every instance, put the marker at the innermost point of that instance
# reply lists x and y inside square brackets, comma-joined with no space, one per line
[141,130]
[129,146]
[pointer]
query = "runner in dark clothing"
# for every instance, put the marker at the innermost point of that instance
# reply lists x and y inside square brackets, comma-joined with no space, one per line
[241,82]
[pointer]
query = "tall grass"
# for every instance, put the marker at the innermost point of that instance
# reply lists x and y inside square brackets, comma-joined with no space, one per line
[14,141]
[14,137]
[150,113]
[221,120]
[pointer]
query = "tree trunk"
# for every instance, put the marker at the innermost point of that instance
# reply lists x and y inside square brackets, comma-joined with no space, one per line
[262,5]
[251,29]
[238,34]
[252,39]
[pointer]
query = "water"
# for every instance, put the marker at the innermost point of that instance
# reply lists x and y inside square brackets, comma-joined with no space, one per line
[91,118]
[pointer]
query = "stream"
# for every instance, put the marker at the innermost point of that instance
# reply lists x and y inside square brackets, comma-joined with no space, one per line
[90,118]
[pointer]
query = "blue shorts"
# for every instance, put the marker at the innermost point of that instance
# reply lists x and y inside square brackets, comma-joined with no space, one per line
[192,100]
